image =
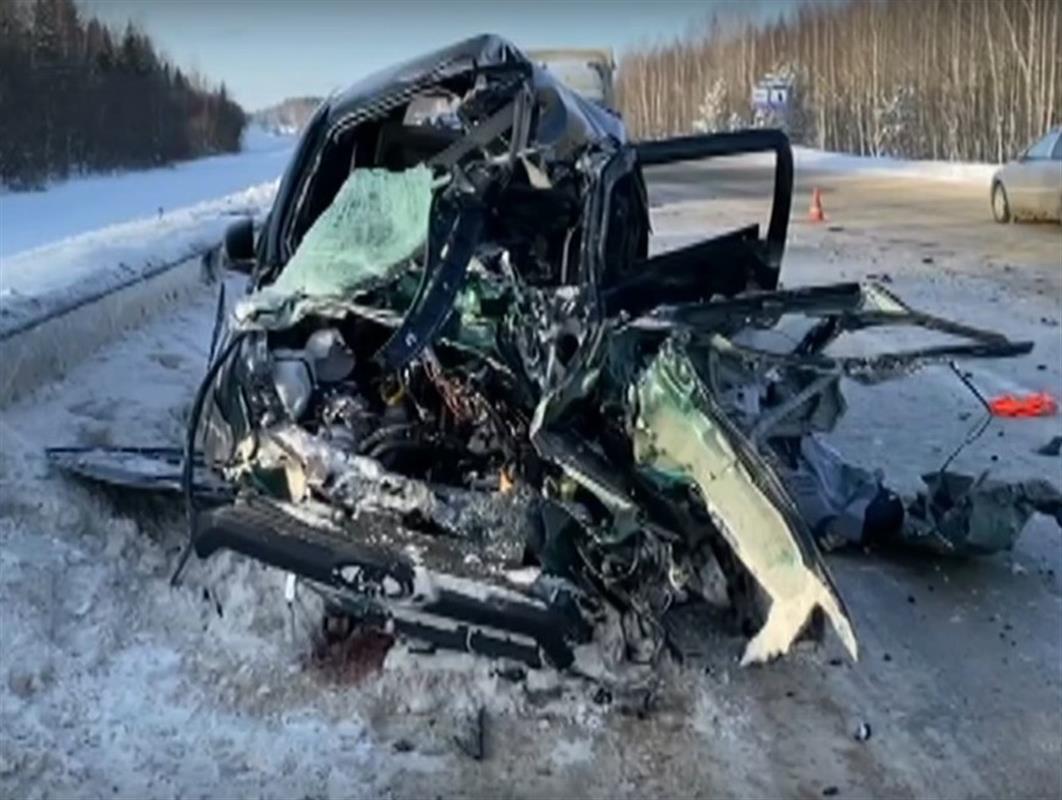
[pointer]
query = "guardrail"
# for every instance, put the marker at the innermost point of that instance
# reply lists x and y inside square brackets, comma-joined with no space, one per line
[41,338]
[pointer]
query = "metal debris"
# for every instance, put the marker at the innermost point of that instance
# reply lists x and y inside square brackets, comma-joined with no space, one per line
[472,741]
[962,515]
[1052,448]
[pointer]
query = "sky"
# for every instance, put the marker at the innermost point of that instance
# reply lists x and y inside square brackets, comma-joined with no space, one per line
[266,50]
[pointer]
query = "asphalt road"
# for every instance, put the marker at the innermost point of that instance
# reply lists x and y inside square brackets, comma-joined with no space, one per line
[936,217]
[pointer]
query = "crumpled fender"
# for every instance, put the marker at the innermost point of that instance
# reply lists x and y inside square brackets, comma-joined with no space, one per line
[681,432]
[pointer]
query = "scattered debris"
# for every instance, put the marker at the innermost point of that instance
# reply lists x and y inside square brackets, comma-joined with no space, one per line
[473,741]
[514,673]
[602,696]
[963,515]
[1035,404]
[22,683]
[465,405]
[1052,448]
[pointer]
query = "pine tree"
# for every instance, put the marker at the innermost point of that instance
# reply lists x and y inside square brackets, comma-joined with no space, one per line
[76,97]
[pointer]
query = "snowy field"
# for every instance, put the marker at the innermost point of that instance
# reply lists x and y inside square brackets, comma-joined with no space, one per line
[149,247]
[128,247]
[31,219]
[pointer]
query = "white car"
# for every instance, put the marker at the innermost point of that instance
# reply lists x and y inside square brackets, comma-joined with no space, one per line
[1031,186]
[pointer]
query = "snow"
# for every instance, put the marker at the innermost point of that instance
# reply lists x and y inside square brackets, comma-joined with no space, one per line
[68,264]
[953,171]
[808,158]
[31,219]
[130,246]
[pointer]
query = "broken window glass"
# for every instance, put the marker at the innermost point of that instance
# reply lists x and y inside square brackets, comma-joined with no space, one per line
[377,222]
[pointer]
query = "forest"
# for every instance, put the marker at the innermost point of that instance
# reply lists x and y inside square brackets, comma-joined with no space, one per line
[78,97]
[969,80]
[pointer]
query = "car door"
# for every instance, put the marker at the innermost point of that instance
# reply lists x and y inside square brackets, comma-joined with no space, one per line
[1027,182]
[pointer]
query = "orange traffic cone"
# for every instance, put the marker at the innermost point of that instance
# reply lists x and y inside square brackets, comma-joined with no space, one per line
[815,212]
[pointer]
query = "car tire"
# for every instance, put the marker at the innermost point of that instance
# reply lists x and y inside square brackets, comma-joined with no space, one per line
[1000,204]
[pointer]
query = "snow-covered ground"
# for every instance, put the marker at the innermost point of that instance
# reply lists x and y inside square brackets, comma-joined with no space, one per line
[150,240]
[128,247]
[31,219]
[808,158]
[957,171]
[60,302]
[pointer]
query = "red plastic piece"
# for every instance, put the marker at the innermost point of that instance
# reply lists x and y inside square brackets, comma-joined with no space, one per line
[1037,404]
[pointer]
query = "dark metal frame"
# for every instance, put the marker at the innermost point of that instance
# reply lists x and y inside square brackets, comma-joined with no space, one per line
[694,148]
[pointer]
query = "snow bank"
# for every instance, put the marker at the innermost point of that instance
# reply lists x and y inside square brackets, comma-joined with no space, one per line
[65,292]
[32,219]
[808,158]
[955,171]
[123,250]
[61,302]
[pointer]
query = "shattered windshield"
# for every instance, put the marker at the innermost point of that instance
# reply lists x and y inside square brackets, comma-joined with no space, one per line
[377,221]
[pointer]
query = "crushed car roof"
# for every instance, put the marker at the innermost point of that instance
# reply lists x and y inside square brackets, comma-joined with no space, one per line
[564,118]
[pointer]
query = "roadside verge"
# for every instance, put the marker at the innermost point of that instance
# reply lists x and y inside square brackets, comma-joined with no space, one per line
[62,302]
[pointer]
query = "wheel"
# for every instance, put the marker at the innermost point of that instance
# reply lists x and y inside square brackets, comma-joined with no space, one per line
[1000,206]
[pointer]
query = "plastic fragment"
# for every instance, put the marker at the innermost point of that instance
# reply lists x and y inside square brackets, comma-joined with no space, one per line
[1035,404]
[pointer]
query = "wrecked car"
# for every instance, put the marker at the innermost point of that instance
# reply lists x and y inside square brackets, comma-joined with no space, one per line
[463,401]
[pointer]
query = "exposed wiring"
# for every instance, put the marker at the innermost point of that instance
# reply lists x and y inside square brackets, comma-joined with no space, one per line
[219,321]
[978,429]
[188,463]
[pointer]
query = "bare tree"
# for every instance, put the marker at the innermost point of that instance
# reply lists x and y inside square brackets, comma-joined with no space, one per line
[954,79]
